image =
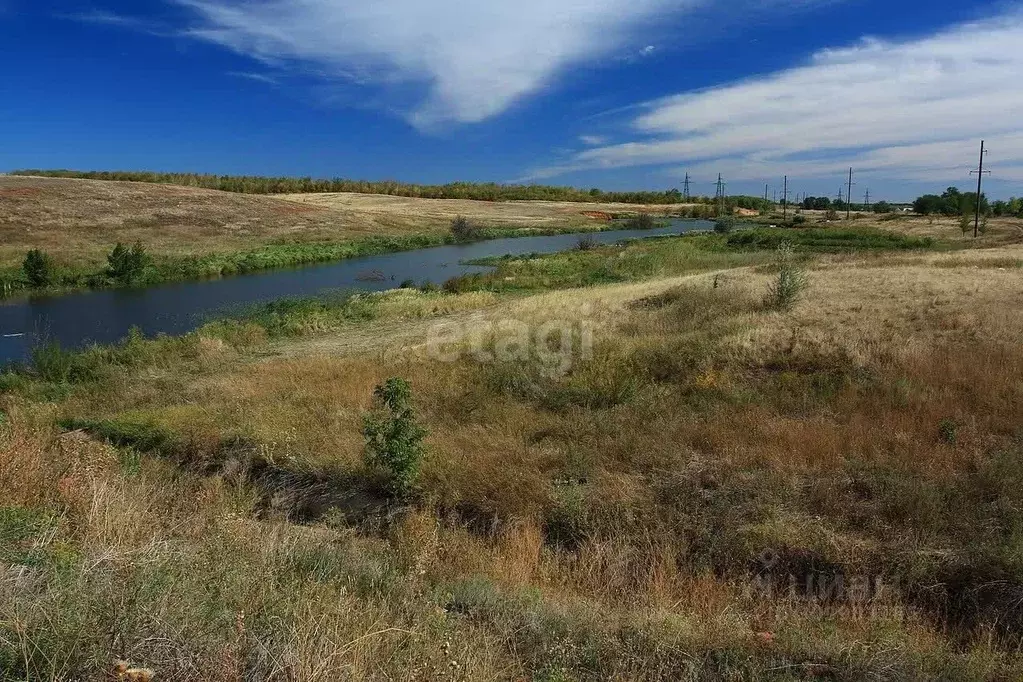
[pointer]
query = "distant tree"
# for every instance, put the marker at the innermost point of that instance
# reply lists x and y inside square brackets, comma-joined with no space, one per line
[929,204]
[38,268]
[883,207]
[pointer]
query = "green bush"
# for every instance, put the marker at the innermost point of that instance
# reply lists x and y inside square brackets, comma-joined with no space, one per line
[126,264]
[643,221]
[394,439]
[38,268]
[464,230]
[788,286]
[724,225]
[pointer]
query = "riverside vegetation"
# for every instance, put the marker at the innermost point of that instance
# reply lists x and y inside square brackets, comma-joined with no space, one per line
[737,483]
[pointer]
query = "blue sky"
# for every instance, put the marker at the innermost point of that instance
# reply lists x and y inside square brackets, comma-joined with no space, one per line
[611,93]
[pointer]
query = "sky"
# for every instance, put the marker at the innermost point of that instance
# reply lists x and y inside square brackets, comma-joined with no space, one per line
[617,94]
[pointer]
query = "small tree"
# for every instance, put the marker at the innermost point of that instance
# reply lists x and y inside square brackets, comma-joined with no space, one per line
[38,268]
[965,223]
[464,230]
[786,289]
[126,264]
[394,439]
[724,225]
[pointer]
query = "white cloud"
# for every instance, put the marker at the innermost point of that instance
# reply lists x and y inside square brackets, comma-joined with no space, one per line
[475,58]
[592,140]
[914,109]
[456,61]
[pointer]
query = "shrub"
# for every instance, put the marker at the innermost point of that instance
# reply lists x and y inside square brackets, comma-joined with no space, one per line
[464,230]
[586,243]
[643,221]
[38,268]
[394,439]
[799,220]
[948,431]
[724,225]
[790,282]
[127,264]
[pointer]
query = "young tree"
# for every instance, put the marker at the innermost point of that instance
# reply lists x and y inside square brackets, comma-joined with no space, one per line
[38,268]
[127,264]
[394,438]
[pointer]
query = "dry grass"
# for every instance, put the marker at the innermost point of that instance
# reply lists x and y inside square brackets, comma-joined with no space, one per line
[78,221]
[603,524]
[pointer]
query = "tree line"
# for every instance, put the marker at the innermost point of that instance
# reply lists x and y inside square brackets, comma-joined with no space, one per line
[829,204]
[245,184]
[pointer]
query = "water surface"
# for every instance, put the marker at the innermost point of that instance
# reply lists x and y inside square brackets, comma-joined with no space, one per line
[82,318]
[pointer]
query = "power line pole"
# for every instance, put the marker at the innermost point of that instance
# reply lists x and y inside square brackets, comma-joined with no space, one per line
[848,204]
[785,200]
[765,192]
[719,197]
[685,191]
[980,177]
[866,201]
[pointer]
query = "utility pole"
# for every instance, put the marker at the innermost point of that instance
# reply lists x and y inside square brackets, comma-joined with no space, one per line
[866,201]
[685,191]
[848,204]
[980,177]
[785,200]
[765,192]
[720,195]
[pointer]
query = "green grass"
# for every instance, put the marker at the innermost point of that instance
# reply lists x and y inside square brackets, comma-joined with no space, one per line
[166,268]
[827,240]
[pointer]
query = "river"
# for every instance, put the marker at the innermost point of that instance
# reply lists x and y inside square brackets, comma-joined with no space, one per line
[78,319]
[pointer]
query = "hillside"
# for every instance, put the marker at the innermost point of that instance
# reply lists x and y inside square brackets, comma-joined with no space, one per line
[78,221]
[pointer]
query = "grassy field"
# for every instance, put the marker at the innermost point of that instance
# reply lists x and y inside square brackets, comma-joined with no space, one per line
[193,233]
[681,481]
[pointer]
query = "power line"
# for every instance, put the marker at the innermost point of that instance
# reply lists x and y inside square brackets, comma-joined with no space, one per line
[980,177]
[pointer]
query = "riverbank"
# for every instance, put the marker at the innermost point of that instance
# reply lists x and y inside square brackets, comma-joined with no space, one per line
[167,268]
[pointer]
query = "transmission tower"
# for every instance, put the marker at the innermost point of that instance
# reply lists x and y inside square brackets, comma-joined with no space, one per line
[848,204]
[785,199]
[719,196]
[866,201]
[980,177]
[685,190]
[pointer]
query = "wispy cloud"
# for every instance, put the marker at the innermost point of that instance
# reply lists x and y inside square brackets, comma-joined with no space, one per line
[104,18]
[913,109]
[592,140]
[452,61]
[258,77]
